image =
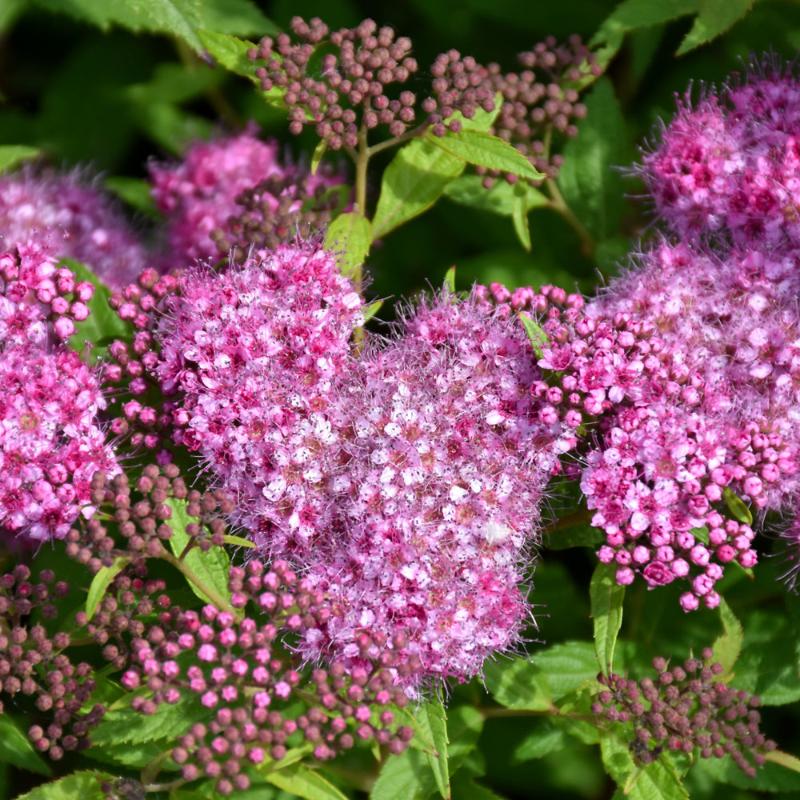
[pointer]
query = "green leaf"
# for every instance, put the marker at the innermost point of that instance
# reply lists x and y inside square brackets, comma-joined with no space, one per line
[417,176]
[404,777]
[136,756]
[432,718]
[86,785]
[17,750]
[469,789]
[126,726]
[607,598]
[519,216]
[212,568]
[536,335]
[319,152]
[349,236]
[464,726]
[181,18]
[519,684]
[544,739]
[468,190]
[574,536]
[450,280]
[728,646]
[102,325]
[713,19]
[13,154]
[737,506]
[301,781]
[784,760]
[484,150]
[372,309]
[133,191]
[238,541]
[100,583]
[568,666]
[772,777]
[589,181]
[656,781]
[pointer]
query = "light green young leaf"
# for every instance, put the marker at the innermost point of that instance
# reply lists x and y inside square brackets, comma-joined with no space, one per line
[417,176]
[300,781]
[319,152]
[16,749]
[181,18]
[656,781]
[211,568]
[349,236]
[607,598]
[738,508]
[372,309]
[468,190]
[450,280]
[13,154]
[102,325]
[432,717]
[133,191]
[87,785]
[728,646]
[519,216]
[404,777]
[589,181]
[536,335]
[784,760]
[100,583]
[713,19]
[484,150]
[238,541]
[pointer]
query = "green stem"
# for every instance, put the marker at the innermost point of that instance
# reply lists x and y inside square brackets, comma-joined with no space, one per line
[209,591]
[163,787]
[558,204]
[396,140]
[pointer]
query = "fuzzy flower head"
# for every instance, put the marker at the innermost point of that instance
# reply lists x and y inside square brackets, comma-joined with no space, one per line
[69,217]
[254,355]
[441,495]
[50,441]
[730,164]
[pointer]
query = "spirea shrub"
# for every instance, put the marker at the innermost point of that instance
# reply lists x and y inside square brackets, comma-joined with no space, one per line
[253,539]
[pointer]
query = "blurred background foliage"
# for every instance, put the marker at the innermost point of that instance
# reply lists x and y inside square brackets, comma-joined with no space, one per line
[108,99]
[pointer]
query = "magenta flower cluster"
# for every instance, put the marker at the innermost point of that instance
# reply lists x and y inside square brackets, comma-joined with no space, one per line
[69,217]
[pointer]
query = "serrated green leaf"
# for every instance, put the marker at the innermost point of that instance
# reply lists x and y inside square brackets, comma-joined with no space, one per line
[589,179]
[655,781]
[349,236]
[13,154]
[17,750]
[230,52]
[737,506]
[126,726]
[212,568]
[518,684]
[135,756]
[728,646]
[301,781]
[87,785]
[713,19]
[468,190]
[519,216]
[464,726]
[404,777]
[133,191]
[536,335]
[102,325]
[181,18]
[417,176]
[100,583]
[432,717]
[607,598]
[484,150]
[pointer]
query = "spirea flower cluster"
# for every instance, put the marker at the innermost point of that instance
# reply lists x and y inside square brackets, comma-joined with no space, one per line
[69,217]
[686,708]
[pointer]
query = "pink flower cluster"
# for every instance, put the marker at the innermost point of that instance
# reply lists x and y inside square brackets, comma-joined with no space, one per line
[445,474]
[69,217]
[730,164]
[199,194]
[256,353]
[50,441]
[407,481]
